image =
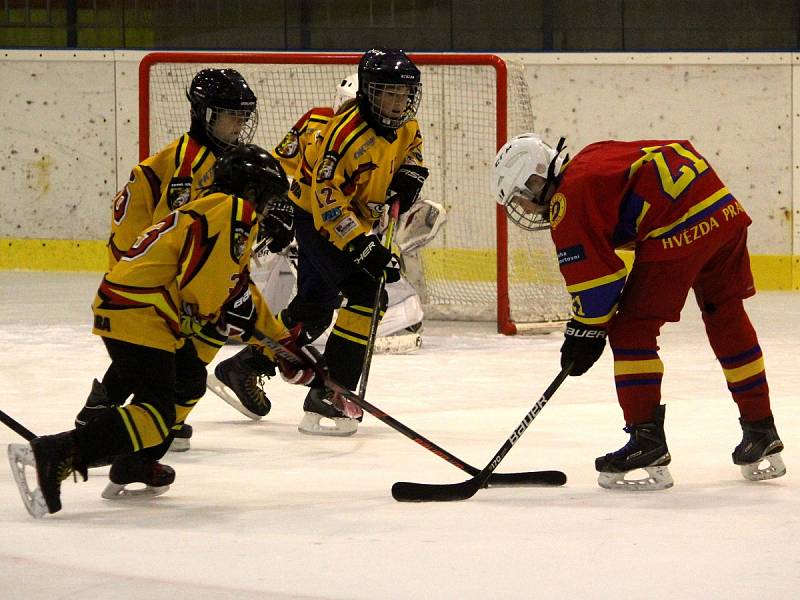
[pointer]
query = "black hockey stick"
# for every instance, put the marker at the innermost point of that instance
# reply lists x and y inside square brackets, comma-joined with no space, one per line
[529,478]
[394,215]
[405,491]
[16,426]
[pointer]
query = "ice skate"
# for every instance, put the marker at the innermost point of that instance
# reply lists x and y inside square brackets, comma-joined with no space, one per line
[760,444]
[180,439]
[54,458]
[647,450]
[96,403]
[321,403]
[136,468]
[238,381]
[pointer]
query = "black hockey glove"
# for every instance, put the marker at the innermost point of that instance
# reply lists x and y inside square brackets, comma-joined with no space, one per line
[277,227]
[238,316]
[406,185]
[367,252]
[583,345]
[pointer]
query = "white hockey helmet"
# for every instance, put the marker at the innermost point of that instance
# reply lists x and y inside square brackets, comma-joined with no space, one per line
[524,170]
[345,91]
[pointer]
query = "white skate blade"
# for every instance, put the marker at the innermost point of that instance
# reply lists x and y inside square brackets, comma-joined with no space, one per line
[658,478]
[19,457]
[116,491]
[774,469]
[311,424]
[221,390]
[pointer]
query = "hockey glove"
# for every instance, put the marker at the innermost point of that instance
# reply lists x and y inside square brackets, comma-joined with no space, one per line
[367,252]
[406,185]
[297,374]
[583,345]
[238,313]
[277,227]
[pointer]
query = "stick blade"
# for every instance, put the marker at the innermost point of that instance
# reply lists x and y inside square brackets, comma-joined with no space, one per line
[527,479]
[406,491]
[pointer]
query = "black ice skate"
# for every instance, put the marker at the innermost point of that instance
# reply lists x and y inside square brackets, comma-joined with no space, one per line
[54,457]
[760,443]
[242,375]
[646,449]
[136,468]
[180,439]
[320,404]
[96,403]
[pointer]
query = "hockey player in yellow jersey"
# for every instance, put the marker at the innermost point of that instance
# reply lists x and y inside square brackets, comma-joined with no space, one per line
[186,273]
[223,114]
[223,111]
[369,156]
[237,380]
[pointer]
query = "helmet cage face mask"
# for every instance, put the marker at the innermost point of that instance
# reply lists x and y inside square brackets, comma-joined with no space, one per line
[394,104]
[230,127]
[526,206]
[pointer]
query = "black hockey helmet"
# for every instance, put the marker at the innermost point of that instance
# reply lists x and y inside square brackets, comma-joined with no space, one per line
[216,93]
[389,88]
[252,173]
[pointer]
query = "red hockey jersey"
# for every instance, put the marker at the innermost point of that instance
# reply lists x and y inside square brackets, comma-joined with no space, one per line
[660,198]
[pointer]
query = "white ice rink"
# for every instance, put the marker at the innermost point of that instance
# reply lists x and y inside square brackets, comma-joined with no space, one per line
[261,511]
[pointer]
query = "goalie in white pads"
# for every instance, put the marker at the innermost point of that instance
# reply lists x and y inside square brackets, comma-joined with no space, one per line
[689,234]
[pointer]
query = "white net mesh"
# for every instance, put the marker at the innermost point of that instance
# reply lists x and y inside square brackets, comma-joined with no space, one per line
[458,122]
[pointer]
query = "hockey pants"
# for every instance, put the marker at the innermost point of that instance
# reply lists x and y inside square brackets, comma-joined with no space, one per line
[655,293]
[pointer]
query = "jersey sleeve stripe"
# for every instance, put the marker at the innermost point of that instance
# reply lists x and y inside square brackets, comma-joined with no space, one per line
[592,283]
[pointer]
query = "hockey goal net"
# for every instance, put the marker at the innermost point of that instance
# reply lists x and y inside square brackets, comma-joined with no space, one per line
[477,268]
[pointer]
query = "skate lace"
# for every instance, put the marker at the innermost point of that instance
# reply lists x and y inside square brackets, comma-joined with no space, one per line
[254,385]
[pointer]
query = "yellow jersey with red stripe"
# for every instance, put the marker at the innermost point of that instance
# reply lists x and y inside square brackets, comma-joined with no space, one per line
[298,152]
[352,173]
[158,185]
[184,267]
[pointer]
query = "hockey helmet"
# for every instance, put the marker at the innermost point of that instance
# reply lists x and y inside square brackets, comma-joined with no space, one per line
[224,106]
[346,90]
[389,88]
[252,173]
[524,171]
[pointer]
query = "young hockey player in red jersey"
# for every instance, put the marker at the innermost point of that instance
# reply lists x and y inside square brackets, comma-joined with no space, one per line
[662,199]
[186,273]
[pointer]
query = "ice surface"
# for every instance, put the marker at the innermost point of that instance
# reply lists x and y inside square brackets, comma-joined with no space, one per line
[261,511]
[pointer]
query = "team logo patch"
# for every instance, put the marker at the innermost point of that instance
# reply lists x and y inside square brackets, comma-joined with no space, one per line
[376,209]
[239,238]
[571,254]
[289,146]
[332,214]
[558,208]
[327,167]
[345,226]
[178,192]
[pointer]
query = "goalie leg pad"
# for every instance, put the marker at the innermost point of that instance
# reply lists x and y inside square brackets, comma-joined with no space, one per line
[658,478]
[19,457]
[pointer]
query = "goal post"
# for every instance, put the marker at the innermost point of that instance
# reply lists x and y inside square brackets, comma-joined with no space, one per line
[477,268]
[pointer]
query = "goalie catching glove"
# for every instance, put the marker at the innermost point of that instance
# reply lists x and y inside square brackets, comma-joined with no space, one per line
[583,345]
[406,186]
[367,252]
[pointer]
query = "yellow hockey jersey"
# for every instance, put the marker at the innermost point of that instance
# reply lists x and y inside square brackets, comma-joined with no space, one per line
[158,185]
[182,269]
[352,173]
[298,152]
